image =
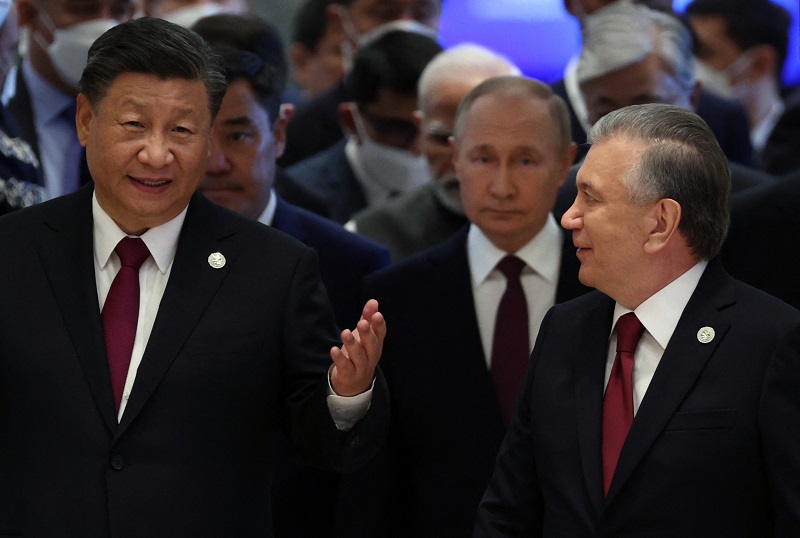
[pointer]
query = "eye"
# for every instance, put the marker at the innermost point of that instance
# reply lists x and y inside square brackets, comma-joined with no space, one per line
[134,124]
[182,130]
[239,136]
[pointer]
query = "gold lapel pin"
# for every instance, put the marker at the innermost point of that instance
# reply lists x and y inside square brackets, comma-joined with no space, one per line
[705,335]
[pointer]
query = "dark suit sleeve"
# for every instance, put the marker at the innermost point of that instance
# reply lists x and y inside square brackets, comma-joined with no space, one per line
[308,422]
[779,415]
[512,504]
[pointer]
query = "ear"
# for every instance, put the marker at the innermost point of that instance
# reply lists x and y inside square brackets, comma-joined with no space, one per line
[666,218]
[764,62]
[279,135]
[83,118]
[568,159]
[27,10]
[417,117]
[694,97]
[298,54]
[348,121]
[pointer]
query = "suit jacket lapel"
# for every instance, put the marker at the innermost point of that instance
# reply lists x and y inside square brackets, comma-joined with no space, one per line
[68,261]
[683,360]
[589,368]
[192,284]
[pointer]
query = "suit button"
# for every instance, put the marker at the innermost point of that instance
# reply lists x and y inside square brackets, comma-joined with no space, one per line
[117,463]
[353,441]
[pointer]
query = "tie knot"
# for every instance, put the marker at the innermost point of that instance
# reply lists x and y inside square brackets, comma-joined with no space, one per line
[629,331]
[132,252]
[511,267]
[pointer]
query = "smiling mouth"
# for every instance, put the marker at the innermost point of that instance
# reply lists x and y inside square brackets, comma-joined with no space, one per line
[151,182]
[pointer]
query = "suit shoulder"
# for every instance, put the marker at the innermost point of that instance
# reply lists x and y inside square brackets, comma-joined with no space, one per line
[421,269]
[322,232]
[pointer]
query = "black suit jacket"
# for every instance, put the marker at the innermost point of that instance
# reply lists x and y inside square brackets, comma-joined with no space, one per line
[329,175]
[781,155]
[345,259]
[761,247]
[710,451]
[726,118]
[234,353]
[446,422]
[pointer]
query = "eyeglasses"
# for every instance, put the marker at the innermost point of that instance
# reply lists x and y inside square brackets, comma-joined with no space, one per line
[392,131]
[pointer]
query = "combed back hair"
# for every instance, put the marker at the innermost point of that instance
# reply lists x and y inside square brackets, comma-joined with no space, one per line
[682,161]
[153,47]
[750,23]
[513,86]
[251,33]
[394,61]
[463,62]
[623,34]
[309,23]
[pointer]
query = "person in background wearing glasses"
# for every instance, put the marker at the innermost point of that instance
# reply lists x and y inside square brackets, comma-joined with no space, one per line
[381,157]
[429,214]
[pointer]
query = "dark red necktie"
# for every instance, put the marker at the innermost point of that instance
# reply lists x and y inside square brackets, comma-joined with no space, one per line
[618,400]
[121,312]
[510,347]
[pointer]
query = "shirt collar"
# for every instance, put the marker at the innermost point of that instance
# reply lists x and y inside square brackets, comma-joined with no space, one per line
[537,254]
[661,312]
[50,102]
[161,241]
[268,215]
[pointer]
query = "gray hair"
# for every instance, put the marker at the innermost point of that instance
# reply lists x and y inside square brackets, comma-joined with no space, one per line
[683,161]
[463,62]
[623,34]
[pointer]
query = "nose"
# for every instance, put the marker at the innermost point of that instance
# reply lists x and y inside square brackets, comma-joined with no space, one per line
[572,219]
[502,185]
[217,162]
[156,152]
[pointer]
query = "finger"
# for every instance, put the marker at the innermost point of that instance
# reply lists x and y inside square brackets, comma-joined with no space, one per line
[369,310]
[378,324]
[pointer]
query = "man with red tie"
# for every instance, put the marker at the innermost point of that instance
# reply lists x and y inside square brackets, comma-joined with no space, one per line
[662,404]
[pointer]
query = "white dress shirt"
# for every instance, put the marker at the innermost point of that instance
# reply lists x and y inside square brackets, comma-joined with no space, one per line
[659,315]
[539,278]
[162,241]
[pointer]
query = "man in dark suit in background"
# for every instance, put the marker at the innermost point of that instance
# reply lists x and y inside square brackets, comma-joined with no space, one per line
[450,399]
[157,417]
[249,135]
[761,246]
[658,68]
[691,436]
[726,117]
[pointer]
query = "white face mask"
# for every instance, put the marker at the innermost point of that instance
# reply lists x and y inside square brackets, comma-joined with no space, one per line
[187,16]
[719,80]
[396,170]
[69,50]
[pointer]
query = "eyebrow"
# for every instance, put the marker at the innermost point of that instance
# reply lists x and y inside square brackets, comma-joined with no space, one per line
[241,120]
[139,104]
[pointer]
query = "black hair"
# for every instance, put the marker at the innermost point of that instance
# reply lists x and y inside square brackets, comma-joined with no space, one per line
[155,47]
[309,23]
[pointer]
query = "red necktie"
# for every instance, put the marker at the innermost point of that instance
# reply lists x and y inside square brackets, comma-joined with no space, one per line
[618,400]
[121,312]
[510,348]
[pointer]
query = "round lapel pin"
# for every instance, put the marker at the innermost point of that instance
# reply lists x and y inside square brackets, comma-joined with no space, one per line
[705,335]
[216,260]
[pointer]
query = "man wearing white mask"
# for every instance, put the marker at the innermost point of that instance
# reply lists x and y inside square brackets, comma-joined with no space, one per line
[429,214]
[741,49]
[187,12]
[40,94]
[381,156]
[353,23]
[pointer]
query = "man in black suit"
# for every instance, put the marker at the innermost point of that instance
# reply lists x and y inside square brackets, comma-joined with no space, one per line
[449,413]
[249,135]
[226,338]
[692,436]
